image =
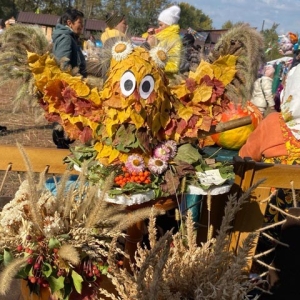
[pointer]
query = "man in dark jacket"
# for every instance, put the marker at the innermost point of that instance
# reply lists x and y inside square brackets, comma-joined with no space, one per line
[65,40]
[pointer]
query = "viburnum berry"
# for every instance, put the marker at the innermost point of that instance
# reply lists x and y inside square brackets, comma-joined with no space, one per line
[30,260]
[32,279]
[19,248]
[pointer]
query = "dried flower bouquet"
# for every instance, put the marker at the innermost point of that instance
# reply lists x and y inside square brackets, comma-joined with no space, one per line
[61,241]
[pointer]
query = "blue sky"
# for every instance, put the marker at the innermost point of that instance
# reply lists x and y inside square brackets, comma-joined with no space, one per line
[283,12]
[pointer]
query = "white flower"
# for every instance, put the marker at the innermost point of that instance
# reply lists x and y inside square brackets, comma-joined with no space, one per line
[159,55]
[121,50]
[53,224]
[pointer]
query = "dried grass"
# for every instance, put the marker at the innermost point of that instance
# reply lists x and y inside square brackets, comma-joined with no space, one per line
[174,267]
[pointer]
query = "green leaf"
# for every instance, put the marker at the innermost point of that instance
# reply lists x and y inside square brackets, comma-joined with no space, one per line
[53,243]
[77,281]
[188,153]
[47,269]
[56,284]
[24,272]
[7,256]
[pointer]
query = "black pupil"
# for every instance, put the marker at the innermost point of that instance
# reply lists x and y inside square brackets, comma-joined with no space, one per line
[146,86]
[128,85]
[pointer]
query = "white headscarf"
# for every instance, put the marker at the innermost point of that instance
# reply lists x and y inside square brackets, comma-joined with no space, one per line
[290,106]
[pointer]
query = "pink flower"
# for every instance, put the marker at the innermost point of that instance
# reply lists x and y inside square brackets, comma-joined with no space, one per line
[157,166]
[135,163]
[172,146]
[162,152]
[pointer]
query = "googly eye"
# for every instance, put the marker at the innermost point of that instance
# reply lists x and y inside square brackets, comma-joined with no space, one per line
[127,83]
[146,86]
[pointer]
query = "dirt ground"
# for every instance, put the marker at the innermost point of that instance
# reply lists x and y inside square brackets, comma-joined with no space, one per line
[25,126]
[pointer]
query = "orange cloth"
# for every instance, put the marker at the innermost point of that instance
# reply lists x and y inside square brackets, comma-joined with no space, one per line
[266,140]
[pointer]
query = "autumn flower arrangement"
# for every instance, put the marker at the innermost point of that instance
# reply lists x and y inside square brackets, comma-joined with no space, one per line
[137,124]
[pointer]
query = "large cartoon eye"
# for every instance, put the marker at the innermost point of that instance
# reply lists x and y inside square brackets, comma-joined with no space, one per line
[146,86]
[127,83]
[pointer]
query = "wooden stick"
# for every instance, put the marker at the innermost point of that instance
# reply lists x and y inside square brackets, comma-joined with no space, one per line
[224,126]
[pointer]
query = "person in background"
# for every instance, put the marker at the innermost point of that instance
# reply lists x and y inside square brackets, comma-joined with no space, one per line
[66,45]
[168,35]
[116,28]
[262,95]
[66,41]
[191,58]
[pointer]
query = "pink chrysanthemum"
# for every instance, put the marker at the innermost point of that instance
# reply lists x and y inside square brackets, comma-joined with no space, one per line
[157,166]
[172,146]
[135,163]
[162,152]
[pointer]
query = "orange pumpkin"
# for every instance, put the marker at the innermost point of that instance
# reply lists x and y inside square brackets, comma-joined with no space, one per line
[234,139]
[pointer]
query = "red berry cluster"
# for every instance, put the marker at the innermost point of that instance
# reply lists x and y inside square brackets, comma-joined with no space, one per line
[136,177]
[36,260]
[90,269]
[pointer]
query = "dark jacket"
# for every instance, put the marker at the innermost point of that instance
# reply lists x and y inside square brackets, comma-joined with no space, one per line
[66,44]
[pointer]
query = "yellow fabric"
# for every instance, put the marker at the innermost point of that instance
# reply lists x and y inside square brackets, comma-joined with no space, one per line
[110,33]
[145,35]
[170,37]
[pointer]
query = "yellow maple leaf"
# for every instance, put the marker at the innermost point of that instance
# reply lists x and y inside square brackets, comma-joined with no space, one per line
[94,96]
[113,155]
[204,68]
[110,126]
[111,113]
[106,93]
[123,115]
[180,90]
[185,112]
[202,93]
[105,151]
[225,68]
[137,119]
